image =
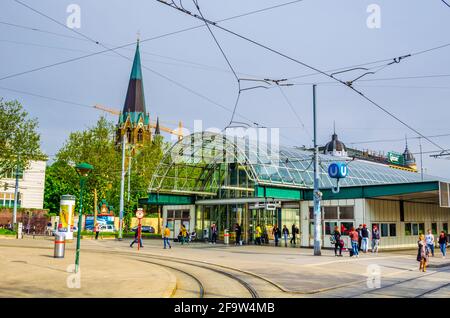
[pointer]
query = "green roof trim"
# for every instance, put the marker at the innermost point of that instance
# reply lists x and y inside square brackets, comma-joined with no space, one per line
[278,193]
[374,191]
[167,199]
[134,118]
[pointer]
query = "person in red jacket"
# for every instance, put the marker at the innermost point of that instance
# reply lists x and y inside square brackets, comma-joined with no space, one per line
[354,236]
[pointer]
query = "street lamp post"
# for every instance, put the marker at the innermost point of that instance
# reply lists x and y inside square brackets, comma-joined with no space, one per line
[83,170]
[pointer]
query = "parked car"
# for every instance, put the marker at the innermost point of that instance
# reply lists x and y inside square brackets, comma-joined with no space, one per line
[144,229]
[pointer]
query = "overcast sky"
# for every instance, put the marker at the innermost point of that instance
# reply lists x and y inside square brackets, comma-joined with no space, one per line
[326,34]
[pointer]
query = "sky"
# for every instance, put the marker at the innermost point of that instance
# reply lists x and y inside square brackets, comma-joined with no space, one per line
[326,34]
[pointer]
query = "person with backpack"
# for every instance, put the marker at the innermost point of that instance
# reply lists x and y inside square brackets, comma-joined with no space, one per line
[338,242]
[285,235]
[354,237]
[443,241]
[375,239]
[422,253]
[365,238]
[213,233]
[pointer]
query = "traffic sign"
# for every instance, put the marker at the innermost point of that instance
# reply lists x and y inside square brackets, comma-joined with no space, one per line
[140,213]
[337,170]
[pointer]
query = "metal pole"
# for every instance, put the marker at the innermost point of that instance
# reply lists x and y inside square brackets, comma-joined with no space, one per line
[317,214]
[421,159]
[16,194]
[129,178]
[122,185]
[80,218]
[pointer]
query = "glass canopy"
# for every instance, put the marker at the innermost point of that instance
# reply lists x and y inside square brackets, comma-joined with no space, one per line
[198,164]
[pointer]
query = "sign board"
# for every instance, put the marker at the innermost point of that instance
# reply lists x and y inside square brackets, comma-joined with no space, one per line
[140,213]
[395,158]
[66,216]
[338,170]
[101,220]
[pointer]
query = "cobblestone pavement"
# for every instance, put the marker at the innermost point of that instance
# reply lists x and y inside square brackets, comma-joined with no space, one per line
[111,268]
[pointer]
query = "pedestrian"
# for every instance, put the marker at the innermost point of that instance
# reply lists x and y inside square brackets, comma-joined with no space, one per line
[375,239]
[354,237]
[429,239]
[238,232]
[285,235]
[365,233]
[443,240]
[276,234]
[28,228]
[422,253]
[10,227]
[258,233]
[183,234]
[96,230]
[338,243]
[166,235]
[294,230]
[137,239]
[213,233]
[359,229]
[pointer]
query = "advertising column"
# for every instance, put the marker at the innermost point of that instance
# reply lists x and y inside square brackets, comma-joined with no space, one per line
[66,216]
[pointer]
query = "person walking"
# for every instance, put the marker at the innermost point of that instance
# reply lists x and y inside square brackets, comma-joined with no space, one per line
[238,232]
[183,234]
[443,241]
[166,235]
[258,233]
[96,230]
[422,253]
[285,235]
[365,238]
[137,239]
[429,239]
[354,237]
[338,243]
[276,234]
[375,239]
[294,231]
[213,233]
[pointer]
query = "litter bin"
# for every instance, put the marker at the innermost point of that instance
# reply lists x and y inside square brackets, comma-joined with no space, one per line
[60,245]
[226,236]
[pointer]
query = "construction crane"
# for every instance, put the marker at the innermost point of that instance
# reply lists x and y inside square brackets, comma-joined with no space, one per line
[178,132]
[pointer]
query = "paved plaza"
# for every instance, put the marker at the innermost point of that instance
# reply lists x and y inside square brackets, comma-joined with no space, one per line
[110,268]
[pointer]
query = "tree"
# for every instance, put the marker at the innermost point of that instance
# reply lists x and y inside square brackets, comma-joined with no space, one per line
[60,179]
[19,140]
[95,146]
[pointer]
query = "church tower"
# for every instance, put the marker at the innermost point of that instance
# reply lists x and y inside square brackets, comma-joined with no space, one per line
[134,121]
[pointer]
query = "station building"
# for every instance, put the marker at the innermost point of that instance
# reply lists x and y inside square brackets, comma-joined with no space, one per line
[209,178]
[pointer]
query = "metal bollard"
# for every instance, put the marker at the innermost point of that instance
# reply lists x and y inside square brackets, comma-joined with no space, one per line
[226,237]
[60,246]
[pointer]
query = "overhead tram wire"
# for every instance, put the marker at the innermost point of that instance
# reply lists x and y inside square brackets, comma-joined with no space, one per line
[308,66]
[151,70]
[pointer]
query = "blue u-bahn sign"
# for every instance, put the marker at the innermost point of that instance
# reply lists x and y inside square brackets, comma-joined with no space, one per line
[338,170]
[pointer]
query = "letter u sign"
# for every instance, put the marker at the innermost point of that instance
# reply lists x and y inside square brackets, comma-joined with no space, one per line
[337,170]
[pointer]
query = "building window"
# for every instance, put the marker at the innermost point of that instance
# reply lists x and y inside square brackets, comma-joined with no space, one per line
[346,227]
[330,212]
[129,135]
[434,228]
[408,229]
[346,212]
[170,214]
[185,214]
[445,227]
[140,135]
[329,227]
[388,229]
[414,228]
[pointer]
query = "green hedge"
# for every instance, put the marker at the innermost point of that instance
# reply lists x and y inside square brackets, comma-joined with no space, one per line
[7,232]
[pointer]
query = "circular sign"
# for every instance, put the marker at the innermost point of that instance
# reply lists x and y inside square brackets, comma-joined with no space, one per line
[337,170]
[140,213]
